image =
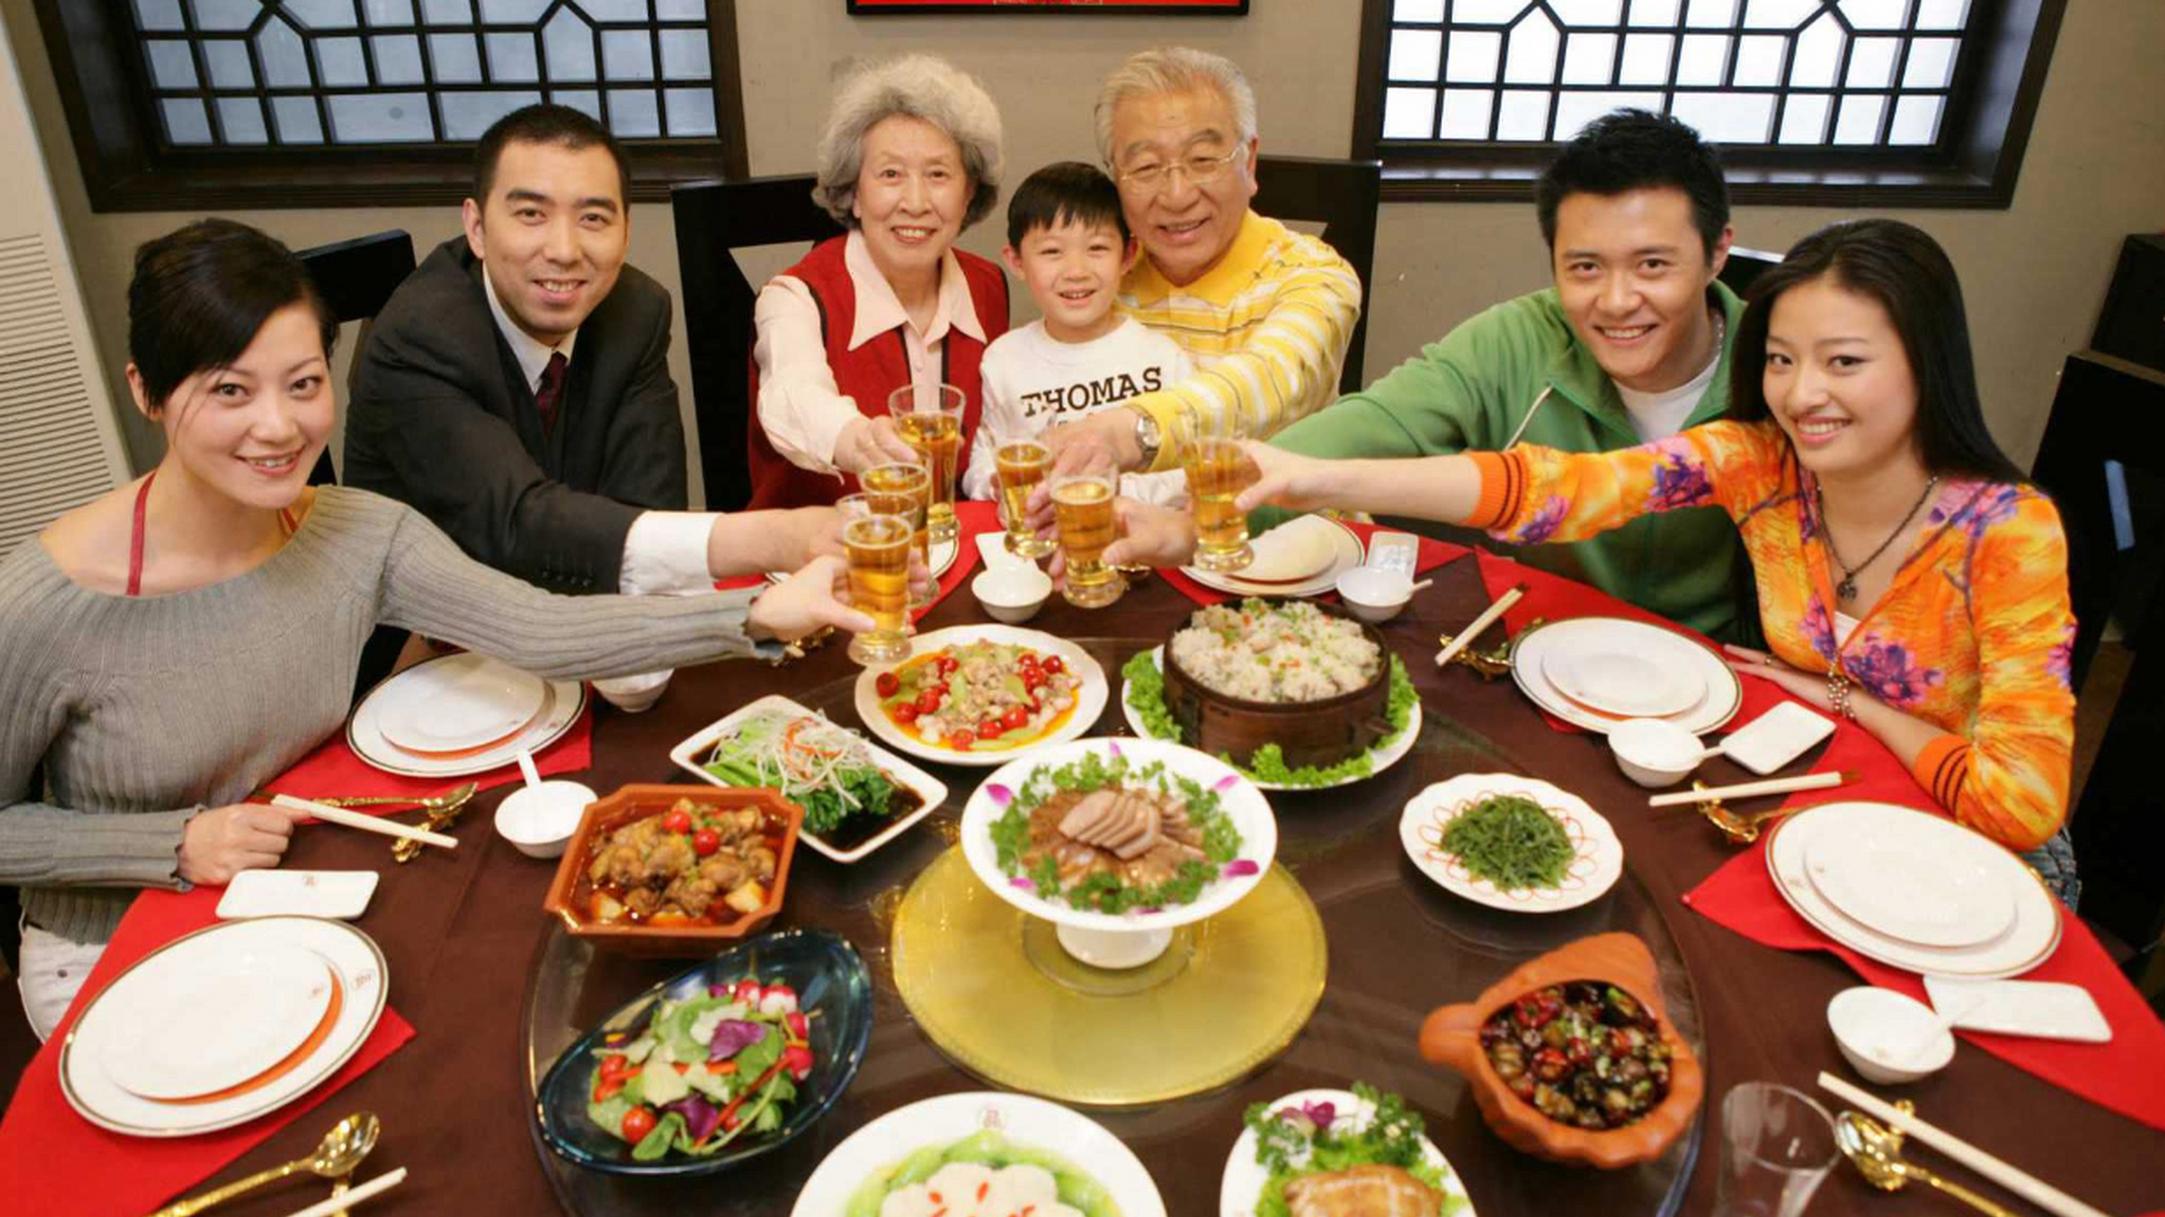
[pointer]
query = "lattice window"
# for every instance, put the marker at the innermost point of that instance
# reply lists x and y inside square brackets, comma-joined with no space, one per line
[252,73]
[1843,74]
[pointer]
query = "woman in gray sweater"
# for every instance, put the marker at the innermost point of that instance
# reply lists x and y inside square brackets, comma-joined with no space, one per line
[171,646]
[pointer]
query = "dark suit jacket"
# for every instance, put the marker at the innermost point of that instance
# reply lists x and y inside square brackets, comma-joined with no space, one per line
[441,418]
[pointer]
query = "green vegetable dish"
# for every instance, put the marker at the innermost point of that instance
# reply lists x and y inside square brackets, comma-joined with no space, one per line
[705,1071]
[1112,836]
[825,769]
[985,1175]
[1323,1159]
[1511,841]
[1145,694]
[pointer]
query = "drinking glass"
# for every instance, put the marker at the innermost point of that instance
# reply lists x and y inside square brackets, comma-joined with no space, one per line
[879,584]
[1022,462]
[930,420]
[1082,506]
[903,489]
[1217,472]
[1777,1145]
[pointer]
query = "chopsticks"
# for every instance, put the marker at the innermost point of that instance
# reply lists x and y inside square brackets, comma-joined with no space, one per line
[1745,790]
[364,822]
[374,1187]
[1466,636]
[2029,1187]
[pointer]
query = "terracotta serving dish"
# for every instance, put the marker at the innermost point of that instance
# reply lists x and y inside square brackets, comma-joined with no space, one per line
[1452,1036]
[1320,733]
[568,895]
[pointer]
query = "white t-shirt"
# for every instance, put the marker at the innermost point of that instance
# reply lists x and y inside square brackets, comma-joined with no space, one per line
[1033,380]
[1661,415]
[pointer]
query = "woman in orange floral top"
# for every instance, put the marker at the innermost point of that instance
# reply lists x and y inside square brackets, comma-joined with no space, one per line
[1909,578]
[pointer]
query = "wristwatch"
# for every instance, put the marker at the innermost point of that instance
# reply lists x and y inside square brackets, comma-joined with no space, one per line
[1147,437]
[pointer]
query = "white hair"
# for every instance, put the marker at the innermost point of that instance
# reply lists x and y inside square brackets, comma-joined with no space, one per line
[1174,69]
[923,87]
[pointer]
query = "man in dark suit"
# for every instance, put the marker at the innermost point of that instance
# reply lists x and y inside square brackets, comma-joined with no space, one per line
[516,389]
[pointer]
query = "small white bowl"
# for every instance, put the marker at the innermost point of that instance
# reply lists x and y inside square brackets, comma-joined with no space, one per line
[1655,752]
[1889,1037]
[1373,593]
[1012,594]
[539,820]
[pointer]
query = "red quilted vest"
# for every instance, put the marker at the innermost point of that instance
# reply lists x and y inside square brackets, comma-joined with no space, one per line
[869,373]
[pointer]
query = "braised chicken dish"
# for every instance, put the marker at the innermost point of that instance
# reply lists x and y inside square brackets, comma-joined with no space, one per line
[688,865]
[1585,1053]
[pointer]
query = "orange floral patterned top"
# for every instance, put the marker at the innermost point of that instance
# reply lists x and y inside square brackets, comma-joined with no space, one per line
[1974,634]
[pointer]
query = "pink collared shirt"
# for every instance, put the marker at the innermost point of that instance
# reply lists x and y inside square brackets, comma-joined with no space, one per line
[799,404]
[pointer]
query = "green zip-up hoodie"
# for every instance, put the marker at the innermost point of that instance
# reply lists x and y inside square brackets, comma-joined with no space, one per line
[1473,388]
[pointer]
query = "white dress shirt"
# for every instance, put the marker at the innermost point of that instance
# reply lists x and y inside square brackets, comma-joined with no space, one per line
[801,408]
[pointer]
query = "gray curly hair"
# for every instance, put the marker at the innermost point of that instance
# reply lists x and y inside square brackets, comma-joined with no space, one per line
[920,86]
[1174,69]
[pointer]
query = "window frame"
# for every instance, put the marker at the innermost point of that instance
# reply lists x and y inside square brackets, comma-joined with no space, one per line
[126,167]
[1986,128]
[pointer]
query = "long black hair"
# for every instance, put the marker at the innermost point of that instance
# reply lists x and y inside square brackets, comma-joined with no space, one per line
[201,293]
[1906,271]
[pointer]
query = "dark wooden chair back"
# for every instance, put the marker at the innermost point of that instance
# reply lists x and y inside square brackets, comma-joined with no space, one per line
[354,278]
[1745,266]
[2111,497]
[1343,196]
[713,220]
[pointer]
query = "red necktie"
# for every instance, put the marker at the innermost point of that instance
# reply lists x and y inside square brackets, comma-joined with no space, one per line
[552,389]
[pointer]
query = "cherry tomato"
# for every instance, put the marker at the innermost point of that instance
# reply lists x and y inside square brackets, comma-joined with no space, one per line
[638,1122]
[929,700]
[990,729]
[887,683]
[947,664]
[706,841]
[1034,679]
[676,821]
[1015,719]
[961,740]
[907,712]
[1054,665]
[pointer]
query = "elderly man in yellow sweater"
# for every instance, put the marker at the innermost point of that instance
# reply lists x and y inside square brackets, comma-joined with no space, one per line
[1265,312]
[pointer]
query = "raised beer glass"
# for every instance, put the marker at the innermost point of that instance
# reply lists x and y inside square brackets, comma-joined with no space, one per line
[902,489]
[930,421]
[1217,472]
[1082,506]
[1022,462]
[878,547]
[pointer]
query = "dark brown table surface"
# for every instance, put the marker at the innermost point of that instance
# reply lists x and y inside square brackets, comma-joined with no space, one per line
[464,933]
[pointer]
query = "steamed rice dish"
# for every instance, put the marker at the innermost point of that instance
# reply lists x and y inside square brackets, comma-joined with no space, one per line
[1292,652]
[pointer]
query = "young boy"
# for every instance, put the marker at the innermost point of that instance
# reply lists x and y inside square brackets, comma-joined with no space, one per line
[1069,243]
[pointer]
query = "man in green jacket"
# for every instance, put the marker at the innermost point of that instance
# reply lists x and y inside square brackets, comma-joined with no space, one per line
[1630,345]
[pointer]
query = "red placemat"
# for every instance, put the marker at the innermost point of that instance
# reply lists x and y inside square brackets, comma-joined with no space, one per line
[333,770]
[1430,555]
[54,1163]
[2121,1075]
[971,518]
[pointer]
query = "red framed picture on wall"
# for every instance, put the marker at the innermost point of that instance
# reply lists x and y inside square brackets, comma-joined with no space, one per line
[1231,8]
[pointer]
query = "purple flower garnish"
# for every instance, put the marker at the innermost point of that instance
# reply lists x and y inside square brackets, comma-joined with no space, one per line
[1227,782]
[998,793]
[1311,1118]
[1112,747]
[1024,884]
[1240,868]
[734,1035]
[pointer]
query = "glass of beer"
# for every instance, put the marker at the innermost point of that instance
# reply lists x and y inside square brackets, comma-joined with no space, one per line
[1217,472]
[930,420]
[1082,506]
[879,584]
[905,490]
[1022,464]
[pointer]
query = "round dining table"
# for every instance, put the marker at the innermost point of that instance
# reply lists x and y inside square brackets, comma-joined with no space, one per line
[496,989]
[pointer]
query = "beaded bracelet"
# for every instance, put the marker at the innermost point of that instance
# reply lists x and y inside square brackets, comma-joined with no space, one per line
[1838,694]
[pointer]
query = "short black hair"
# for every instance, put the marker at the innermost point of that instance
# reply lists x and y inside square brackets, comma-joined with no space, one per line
[1626,150]
[546,123]
[1064,192]
[200,294]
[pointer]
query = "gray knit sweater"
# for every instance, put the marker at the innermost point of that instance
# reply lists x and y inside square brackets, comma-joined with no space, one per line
[122,717]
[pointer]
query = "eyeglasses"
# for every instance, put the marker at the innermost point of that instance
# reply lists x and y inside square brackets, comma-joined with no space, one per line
[1149,179]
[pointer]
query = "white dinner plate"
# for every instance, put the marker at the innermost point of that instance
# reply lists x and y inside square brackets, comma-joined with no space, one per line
[941,555]
[1721,690]
[691,754]
[1090,693]
[2028,942]
[1022,1120]
[1380,757]
[564,701]
[1630,683]
[1238,797]
[1241,1189]
[1951,896]
[458,703]
[204,1018]
[362,978]
[1598,864]
[1300,537]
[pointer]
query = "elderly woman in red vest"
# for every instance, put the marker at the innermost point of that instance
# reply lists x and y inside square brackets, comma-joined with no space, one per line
[909,158]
